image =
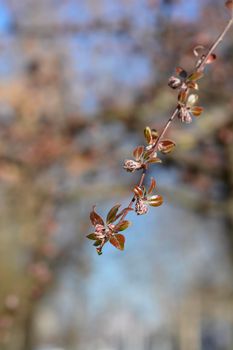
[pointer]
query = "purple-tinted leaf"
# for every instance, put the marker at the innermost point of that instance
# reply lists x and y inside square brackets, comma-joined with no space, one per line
[152,185]
[138,152]
[155,201]
[95,218]
[166,146]
[148,135]
[112,214]
[122,225]
[118,241]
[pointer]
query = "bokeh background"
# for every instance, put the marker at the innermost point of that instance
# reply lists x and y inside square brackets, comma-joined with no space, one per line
[80,79]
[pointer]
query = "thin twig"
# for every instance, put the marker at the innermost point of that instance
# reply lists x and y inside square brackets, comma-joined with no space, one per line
[169,122]
[215,44]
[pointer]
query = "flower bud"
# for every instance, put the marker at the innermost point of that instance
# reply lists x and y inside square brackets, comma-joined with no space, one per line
[100,231]
[131,165]
[141,207]
[174,82]
[185,116]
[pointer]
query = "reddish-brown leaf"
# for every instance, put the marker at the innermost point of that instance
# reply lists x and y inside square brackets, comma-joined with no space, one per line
[122,225]
[211,58]
[196,111]
[229,5]
[155,201]
[124,210]
[152,185]
[112,214]
[138,152]
[95,218]
[182,96]
[166,146]
[148,135]
[118,241]
[138,191]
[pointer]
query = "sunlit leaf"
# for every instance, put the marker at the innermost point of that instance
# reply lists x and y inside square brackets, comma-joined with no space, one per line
[152,185]
[181,72]
[112,214]
[138,191]
[192,99]
[211,58]
[196,111]
[95,218]
[92,236]
[148,134]
[138,152]
[195,76]
[166,146]
[118,241]
[155,201]
[122,225]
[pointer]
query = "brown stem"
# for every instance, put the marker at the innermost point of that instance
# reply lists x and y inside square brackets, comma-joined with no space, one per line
[215,44]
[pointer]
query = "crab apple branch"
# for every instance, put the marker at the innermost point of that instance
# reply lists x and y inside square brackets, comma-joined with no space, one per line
[186,84]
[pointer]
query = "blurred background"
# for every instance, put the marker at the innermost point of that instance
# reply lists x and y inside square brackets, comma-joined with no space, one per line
[80,79]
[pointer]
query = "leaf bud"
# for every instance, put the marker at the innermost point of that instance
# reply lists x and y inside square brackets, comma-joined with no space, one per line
[174,82]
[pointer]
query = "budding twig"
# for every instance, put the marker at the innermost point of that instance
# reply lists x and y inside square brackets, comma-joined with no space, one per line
[185,110]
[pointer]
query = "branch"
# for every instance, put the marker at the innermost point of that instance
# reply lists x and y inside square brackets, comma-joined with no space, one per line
[185,110]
